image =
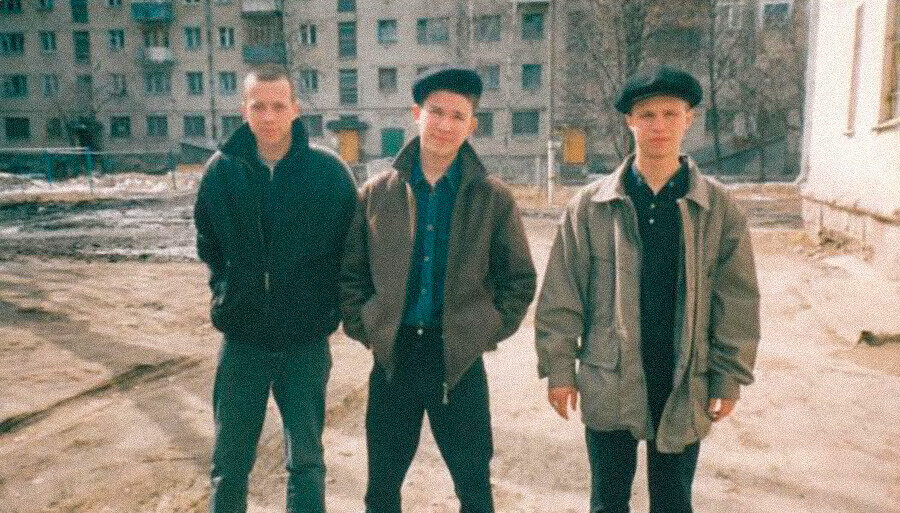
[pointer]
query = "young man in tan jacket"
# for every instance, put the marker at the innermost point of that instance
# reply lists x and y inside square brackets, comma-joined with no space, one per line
[651,288]
[437,271]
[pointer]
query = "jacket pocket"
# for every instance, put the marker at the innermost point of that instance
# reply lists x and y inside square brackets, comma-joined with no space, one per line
[598,380]
[227,308]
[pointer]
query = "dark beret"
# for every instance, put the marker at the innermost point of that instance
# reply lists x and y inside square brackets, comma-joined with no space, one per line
[658,81]
[450,78]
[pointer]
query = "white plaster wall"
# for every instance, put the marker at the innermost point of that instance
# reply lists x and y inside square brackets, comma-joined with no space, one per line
[862,169]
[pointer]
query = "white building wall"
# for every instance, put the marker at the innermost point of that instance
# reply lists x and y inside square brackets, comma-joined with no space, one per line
[853,185]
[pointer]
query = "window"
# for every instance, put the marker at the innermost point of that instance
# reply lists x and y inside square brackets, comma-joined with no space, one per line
[890,96]
[432,31]
[12,43]
[192,38]
[346,6]
[114,3]
[17,129]
[227,82]
[347,39]
[81,42]
[313,124]
[387,31]
[45,5]
[119,126]
[79,11]
[230,124]
[347,87]
[194,126]
[84,86]
[157,125]
[48,42]
[118,86]
[156,37]
[526,122]
[195,82]
[265,33]
[116,40]
[531,77]
[15,86]
[157,82]
[776,14]
[485,126]
[55,129]
[226,37]
[308,34]
[10,7]
[490,75]
[728,16]
[50,86]
[487,28]
[532,26]
[387,80]
[391,141]
[854,74]
[309,81]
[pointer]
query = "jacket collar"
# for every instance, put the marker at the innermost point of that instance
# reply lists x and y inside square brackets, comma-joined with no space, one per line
[242,143]
[470,166]
[613,188]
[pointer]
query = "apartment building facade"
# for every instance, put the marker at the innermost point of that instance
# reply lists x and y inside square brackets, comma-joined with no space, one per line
[157,74]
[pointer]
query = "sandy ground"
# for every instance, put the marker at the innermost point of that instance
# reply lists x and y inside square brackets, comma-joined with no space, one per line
[107,357]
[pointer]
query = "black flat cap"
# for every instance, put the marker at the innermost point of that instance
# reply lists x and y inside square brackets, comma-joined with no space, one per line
[449,78]
[658,81]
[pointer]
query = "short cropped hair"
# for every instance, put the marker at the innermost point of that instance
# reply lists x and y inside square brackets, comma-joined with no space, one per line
[271,73]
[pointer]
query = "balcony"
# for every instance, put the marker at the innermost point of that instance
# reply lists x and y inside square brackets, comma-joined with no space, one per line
[152,12]
[156,56]
[265,54]
[262,7]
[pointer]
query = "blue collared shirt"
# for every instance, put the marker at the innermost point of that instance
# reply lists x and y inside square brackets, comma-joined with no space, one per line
[434,212]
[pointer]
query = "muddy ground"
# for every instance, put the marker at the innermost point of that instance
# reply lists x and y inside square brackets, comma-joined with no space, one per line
[107,357]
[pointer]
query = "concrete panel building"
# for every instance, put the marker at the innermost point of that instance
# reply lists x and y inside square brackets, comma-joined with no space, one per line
[162,75]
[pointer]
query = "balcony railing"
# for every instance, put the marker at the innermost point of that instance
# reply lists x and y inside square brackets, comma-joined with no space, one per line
[265,54]
[152,12]
[156,56]
[261,7]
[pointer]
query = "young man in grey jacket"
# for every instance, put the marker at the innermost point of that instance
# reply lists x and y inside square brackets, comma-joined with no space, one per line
[436,272]
[651,289]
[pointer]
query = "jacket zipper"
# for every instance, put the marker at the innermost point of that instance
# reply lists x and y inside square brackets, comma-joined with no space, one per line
[266,275]
[446,399]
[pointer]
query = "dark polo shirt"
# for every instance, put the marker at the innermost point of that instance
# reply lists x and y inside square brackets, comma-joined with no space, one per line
[434,212]
[659,222]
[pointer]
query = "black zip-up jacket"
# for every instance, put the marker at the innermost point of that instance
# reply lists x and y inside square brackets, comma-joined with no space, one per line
[273,240]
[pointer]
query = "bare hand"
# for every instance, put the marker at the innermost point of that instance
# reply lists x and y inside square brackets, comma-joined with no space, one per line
[561,398]
[719,408]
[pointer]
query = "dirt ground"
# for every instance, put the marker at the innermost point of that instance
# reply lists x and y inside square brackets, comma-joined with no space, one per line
[107,358]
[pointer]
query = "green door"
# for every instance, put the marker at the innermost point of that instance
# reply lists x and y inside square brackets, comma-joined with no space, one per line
[391,141]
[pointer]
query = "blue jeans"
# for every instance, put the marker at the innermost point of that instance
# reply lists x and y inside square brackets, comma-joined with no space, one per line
[297,377]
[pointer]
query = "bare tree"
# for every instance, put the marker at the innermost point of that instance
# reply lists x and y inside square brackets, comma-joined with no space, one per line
[608,41]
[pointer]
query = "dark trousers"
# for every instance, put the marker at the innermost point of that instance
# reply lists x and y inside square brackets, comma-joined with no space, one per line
[613,459]
[461,425]
[297,377]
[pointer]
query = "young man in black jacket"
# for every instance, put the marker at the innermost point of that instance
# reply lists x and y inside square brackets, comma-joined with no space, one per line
[271,218]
